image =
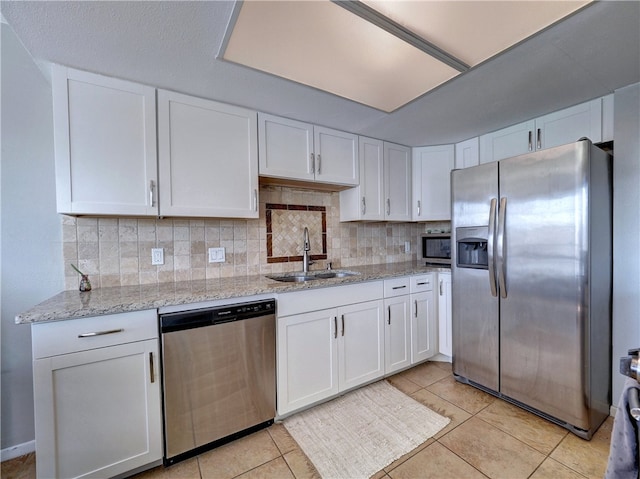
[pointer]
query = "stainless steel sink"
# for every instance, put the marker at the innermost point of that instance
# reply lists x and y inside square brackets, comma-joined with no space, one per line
[311,276]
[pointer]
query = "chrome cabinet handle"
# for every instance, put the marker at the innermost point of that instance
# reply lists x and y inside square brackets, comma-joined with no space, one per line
[539,138]
[364,206]
[416,304]
[388,206]
[100,333]
[343,325]
[313,163]
[490,247]
[151,370]
[319,162]
[255,200]
[389,309]
[419,208]
[399,287]
[501,248]
[335,327]
[151,186]
[440,287]
[530,140]
[422,283]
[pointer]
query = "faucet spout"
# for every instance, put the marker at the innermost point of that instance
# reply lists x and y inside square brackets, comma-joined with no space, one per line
[306,247]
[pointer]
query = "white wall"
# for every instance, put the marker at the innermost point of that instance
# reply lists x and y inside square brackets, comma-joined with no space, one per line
[626,228]
[31,245]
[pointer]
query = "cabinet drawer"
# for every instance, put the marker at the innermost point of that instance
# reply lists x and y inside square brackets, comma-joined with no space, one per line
[423,282]
[396,286]
[62,337]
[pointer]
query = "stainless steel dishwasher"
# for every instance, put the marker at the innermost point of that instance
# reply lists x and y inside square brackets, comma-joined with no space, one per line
[218,373]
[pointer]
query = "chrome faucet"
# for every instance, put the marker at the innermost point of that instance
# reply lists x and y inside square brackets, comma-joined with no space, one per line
[305,253]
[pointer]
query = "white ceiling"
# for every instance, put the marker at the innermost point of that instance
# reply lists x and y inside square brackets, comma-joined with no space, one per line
[173,45]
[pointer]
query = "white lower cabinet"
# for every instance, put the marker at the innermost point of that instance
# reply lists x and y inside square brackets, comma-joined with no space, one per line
[322,353]
[424,323]
[445,345]
[97,395]
[397,335]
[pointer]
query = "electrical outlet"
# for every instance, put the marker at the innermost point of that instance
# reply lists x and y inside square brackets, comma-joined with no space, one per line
[216,255]
[407,247]
[157,256]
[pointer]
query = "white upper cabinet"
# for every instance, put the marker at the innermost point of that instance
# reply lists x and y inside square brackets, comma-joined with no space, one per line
[208,158]
[511,141]
[105,145]
[366,201]
[557,128]
[432,167]
[467,153]
[397,182]
[293,150]
[607,118]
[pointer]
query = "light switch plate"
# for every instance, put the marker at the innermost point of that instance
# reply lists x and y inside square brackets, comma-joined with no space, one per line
[407,247]
[216,255]
[157,256]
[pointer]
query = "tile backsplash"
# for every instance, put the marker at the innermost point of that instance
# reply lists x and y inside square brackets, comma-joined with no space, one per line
[117,251]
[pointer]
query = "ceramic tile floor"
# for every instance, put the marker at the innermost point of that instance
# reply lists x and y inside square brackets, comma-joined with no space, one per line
[486,437]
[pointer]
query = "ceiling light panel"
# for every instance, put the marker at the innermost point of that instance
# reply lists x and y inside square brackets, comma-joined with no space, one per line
[475,31]
[322,45]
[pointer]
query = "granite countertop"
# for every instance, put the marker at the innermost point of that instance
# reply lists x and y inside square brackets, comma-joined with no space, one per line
[75,304]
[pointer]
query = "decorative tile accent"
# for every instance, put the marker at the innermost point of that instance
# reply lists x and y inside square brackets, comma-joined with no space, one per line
[285,232]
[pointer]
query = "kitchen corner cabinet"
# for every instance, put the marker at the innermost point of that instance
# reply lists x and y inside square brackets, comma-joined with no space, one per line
[424,323]
[467,153]
[324,352]
[208,158]
[105,145]
[365,202]
[432,167]
[397,336]
[397,182]
[444,314]
[297,151]
[97,395]
[557,128]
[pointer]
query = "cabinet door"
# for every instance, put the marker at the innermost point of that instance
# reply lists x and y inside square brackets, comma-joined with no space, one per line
[424,326]
[569,125]
[468,153]
[512,141]
[105,145]
[208,158]
[307,359]
[397,178]
[432,167]
[444,314]
[366,201]
[361,343]
[397,339]
[285,148]
[336,157]
[97,412]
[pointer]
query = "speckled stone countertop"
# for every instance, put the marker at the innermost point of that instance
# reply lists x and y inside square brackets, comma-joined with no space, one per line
[74,304]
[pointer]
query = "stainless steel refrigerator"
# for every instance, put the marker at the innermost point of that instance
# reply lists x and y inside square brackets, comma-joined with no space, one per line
[532,276]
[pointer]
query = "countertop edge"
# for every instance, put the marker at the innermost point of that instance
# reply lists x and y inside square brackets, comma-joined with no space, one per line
[113,300]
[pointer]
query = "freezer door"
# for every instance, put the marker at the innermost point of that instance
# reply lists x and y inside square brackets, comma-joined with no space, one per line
[475,308]
[544,310]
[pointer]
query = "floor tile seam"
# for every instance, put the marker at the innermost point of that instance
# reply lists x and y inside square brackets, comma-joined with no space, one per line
[517,439]
[460,457]
[289,466]
[260,465]
[554,459]
[499,426]
[454,404]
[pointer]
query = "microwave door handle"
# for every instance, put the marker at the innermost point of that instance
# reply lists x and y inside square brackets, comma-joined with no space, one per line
[490,247]
[501,248]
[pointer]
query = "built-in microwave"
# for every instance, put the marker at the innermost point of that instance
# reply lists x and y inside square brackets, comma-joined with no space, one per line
[436,248]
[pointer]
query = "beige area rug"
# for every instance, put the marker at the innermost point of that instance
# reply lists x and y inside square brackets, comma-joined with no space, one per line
[356,435]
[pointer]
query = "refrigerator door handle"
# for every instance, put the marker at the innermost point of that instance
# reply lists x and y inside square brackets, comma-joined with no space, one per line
[500,263]
[490,246]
